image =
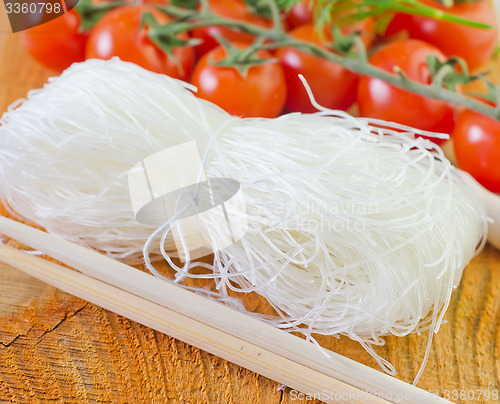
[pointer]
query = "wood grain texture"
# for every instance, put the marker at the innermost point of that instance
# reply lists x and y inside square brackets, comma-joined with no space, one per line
[57,348]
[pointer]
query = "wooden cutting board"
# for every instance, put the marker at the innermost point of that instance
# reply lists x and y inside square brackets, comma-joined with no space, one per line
[57,348]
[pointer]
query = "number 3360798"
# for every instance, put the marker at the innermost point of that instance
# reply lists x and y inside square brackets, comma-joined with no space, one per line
[471,395]
[32,8]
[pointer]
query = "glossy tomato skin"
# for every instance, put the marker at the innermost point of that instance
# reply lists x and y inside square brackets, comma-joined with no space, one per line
[476,140]
[333,86]
[261,93]
[400,22]
[475,45]
[234,9]
[58,43]
[378,99]
[118,33]
[300,14]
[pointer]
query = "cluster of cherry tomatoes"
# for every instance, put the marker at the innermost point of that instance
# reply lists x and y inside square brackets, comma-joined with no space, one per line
[272,88]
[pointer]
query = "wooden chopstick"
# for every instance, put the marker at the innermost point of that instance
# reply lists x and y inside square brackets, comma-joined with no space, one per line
[177,325]
[204,323]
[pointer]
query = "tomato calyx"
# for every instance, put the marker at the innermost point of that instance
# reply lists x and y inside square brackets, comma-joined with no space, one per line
[265,8]
[345,44]
[241,59]
[91,12]
[451,72]
[185,4]
[165,36]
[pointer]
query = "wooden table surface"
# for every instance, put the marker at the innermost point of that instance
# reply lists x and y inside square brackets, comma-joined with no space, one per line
[55,347]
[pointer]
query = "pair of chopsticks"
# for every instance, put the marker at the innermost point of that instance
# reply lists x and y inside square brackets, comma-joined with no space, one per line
[203,323]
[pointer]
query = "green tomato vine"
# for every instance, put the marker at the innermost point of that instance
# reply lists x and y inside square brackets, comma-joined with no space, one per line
[347,51]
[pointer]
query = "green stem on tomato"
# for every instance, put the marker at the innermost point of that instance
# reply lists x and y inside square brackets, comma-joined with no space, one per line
[423,10]
[275,14]
[277,38]
[361,9]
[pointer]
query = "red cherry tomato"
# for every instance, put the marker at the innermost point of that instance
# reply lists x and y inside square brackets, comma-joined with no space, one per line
[333,86]
[476,140]
[300,14]
[118,33]
[236,10]
[475,45]
[261,93]
[58,43]
[399,23]
[378,99]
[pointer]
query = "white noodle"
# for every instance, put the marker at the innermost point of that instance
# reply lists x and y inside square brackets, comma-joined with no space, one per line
[353,229]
